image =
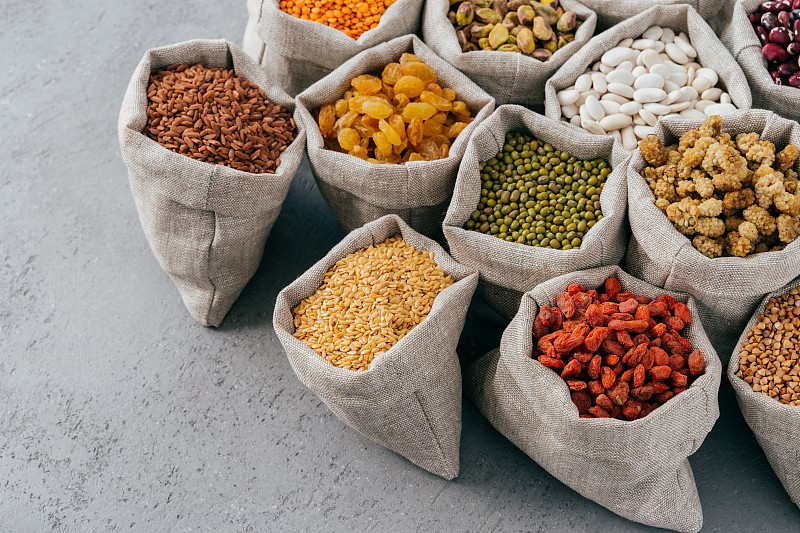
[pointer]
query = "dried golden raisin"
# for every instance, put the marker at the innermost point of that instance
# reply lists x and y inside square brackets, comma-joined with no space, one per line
[345,121]
[454,130]
[429,149]
[399,125]
[460,110]
[414,131]
[418,109]
[390,158]
[341,107]
[416,157]
[359,152]
[356,103]
[389,131]
[433,126]
[400,101]
[367,84]
[382,143]
[410,86]
[364,130]
[327,117]
[407,58]
[348,139]
[377,108]
[439,102]
[398,148]
[388,90]
[434,88]
[450,94]
[391,73]
[421,71]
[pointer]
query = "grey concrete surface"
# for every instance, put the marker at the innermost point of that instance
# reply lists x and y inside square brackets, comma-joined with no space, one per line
[119,413]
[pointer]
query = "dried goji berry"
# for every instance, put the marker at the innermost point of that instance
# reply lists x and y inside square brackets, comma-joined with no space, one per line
[595,338]
[622,316]
[555,364]
[612,346]
[638,376]
[609,308]
[667,299]
[624,338]
[582,329]
[539,329]
[664,396]
[687,345]
[643,299]
[674,323]
[641,338]
[594,367]
[660,357]
[642,313]
[678,379]
[576,384]
[548,350]
[647,408]
[599,412]
[565,343]
[572,369]
[673,346]
[659,329]
[656,342]
[659,387]
[676,361]
[643,393]
[595,316]
[636,326]
[596,387]
[607,377]
[611,359]
[618,369]
[628,306]
[649,358]
[616,412]
[582,401]
[581,300]
[551,317]
[575,288]
[632,409]
[658,309]
[660,373]
[565,303]
[619,392]
[583,357]
[613,288]
[627,375]
[696,363]
[681,310]
[604,401]
[677,390]
[635,355]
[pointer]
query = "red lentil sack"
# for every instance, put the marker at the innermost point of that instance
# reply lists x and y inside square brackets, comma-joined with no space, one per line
[775,425]
[742,41]
[359,191]
[637,469]
[727,289]
[511,78]
[301,52]
[508,269]
[409,400]
[206,223]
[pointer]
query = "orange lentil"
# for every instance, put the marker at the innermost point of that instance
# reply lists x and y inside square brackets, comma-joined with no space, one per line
[351,17]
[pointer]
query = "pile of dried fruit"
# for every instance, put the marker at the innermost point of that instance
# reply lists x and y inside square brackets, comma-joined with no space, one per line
[533,194]
[216,116]
[768,359]
[352,18]
[536,29]
[403,115]
[621,355]
[732,197]
[369,300]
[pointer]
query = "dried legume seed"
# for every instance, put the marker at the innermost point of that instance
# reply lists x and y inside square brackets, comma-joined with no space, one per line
[351,17]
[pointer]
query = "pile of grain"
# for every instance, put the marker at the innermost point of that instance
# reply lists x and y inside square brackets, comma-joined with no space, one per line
[369,300]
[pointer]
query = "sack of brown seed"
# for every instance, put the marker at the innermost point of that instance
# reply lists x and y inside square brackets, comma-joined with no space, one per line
[409,398]
[511,78]
[611,13]
[359,191]
[637,469]
[742,41]
[207,222]
[508,269]
[727,289]
[300,52]
[767,357]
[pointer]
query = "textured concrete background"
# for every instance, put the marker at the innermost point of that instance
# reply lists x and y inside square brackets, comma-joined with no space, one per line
[119,412]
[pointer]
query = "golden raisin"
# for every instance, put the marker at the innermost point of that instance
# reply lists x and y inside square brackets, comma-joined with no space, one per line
[414,131]
[359,152]
[348,139]
[460,110]
[439,102]
[367,84]
[391,73]
[410,86]
[391,135]
[421,71]
[418,109]
[377,108]
[382,143]
[400,101]
[450,94]
[433,126]
[345,121]
[416,157]
[327,117]
[398,124]
[341,107]
[456,129]
[407,58]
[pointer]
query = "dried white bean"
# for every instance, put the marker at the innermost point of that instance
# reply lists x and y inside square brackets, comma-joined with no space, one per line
[719,109]
[620,76]
[657,109]
[594,108]
[569,111]
[615,122]
[583,83]
[644,96]
[621,89]
[629,138]
[631,108]
[649,81]
[568,97]
[648,118]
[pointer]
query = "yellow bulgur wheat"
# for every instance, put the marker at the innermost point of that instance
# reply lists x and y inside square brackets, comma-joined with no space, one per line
[369,300]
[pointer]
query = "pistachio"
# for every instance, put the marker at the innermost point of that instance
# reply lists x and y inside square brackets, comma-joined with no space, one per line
[483,43]
[513,5]
[507,48]
[470,47]
[498,36]
[501,6]
[542,29]
[541,54]
[511,40]
[509,24]
[489,15]
[451,16]
[487,30]
[525,41]
[464,14]
[547,12]
[476,31]
[515,30]
[462,38]
[525,14]
[551,45]
[567,21]
[562,42]
[551,3]
[483,3]
[512,16]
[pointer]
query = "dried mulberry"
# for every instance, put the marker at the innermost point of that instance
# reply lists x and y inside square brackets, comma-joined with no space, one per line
[684,188]
[732,223]
[710,226]
[653,150]
[788,228]
[664,189]
[767,187]
[785,158]
[725,182]
[673,155]
[762,153]
[707,246]
[787,203]
[761,218]
[711,127]
[704,186]
[745,141]
[662,203]
[736,245]
[748,230]
[710,208]
[741,199]
[683,214]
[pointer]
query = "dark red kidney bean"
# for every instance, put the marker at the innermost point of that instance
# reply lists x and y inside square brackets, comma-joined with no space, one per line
[794,80]
[763,35]
[793,48]
[796,29]
[787,69]
[773,7]
[769,21]
[776,77]
[795,4]
[780,35]
[774,52]
[754,18]
[785,19]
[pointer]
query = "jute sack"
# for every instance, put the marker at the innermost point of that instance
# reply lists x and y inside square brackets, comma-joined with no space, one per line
[775,425]
[710,53]
[727,289]
[358,191]
[611,13]
[508,269]
[636,469]
[410,398]
[300,52]
[743,43]
[206,224]
[510,78]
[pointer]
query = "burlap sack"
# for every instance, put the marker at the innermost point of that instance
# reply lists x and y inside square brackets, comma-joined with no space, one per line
[637,469]
[300,52]
[775,425]
[710,53]
[727,289]
[509,269]
[743,43]
[410,398]
[207,224]
[358,191]
[509,78]
[611,13]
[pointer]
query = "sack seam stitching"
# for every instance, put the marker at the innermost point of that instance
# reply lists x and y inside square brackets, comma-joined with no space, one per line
[210,246]
[439,446]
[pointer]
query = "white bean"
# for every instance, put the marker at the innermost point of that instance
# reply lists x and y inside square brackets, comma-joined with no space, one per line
[629,138]
[643,131]
[568,97]
[615,98]
[687,48]
[719,109]
[680,106]
[648,118]
[657,109]
[725,98]
[668,35]
[599,82]
[620,76]
[583,83]
[642,44]
[617,55]
[609,107]
[630,108]
[615,122]
[593,127]
[594,108]
[653,32]
[711,94]
[625,66]
[639,70]
[569,111]
[693,114]
[649,81]
[644,96]
[710,74]
[701,83]
[621,89]
[676,54]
